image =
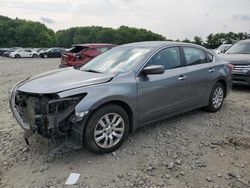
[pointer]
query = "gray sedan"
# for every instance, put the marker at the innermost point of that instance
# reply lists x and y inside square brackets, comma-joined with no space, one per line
[120,91]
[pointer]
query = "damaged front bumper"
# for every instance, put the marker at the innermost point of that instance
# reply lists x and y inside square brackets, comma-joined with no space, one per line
[47,114]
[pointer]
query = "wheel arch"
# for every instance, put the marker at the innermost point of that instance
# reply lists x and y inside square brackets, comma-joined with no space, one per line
[224,83]
[123,105]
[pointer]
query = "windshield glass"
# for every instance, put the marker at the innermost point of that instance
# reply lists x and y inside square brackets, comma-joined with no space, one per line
[239,48]
[118,60]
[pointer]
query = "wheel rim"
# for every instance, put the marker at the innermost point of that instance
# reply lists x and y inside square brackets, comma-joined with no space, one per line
[218,97]
[109,130]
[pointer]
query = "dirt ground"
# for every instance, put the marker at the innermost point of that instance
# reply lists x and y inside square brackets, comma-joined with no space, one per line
[196,149]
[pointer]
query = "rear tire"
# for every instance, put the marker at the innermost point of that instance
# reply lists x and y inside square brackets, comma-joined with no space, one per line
[107,129]
[34,55]
[216,98]
[45,56]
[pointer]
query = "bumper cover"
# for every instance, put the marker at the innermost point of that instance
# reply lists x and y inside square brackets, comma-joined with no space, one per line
[14,110]
[241,79]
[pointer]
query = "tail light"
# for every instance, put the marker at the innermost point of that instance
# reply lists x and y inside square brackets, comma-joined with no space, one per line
[230,67]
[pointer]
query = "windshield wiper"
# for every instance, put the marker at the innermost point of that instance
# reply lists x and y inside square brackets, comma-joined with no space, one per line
[91,70]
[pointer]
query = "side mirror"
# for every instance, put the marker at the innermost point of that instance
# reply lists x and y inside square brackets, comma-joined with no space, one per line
[154,69]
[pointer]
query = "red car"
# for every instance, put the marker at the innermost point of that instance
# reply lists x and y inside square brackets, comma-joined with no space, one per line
[80,54]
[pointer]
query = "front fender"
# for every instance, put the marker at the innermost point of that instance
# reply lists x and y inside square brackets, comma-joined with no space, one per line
[97,95]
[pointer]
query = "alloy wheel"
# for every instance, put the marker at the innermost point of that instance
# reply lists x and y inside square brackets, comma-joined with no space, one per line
[218,96]
[109,130]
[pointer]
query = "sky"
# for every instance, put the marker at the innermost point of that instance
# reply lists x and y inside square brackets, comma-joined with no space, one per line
[174,19]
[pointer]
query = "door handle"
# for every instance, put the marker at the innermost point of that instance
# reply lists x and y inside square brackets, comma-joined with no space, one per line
[211,70]
[181,78]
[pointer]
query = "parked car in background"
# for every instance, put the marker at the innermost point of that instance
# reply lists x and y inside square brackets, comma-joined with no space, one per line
[3,50]
[7,52]
[239,56]
[119,91]
[80,54]
[52,52]
[222,48]
[23,53]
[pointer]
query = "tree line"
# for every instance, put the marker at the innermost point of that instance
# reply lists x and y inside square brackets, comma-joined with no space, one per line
[23,33]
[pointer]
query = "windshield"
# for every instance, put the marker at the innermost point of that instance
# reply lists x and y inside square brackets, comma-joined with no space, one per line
[239,48]
[118,60]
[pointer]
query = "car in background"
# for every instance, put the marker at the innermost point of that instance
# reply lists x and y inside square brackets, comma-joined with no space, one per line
[119,91]
[80,54]
[222,48]
[23,53]
[7,52]
[4,50]
[239,56]
[52,52]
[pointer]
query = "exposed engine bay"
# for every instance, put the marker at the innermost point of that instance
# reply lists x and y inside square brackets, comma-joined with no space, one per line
[45,114]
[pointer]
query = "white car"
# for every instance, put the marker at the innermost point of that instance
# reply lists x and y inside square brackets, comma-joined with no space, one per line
[222,48]
[24,53]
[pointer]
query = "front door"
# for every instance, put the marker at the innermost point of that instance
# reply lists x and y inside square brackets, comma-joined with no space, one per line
[162,94]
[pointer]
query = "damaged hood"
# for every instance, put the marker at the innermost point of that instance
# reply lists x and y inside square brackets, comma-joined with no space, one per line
[239,59]
[61,80]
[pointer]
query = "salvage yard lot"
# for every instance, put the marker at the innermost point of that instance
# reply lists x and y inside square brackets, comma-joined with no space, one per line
[196,149]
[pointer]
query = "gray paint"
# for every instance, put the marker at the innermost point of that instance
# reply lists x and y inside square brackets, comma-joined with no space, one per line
[150,98]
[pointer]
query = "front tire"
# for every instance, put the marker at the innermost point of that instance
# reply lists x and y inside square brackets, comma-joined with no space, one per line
[216,98]
[107,129]
[17,56]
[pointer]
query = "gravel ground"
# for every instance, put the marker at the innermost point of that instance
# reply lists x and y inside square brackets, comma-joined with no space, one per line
[196,149]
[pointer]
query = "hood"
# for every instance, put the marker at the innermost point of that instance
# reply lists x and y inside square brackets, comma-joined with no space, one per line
[239,59]
[61,80]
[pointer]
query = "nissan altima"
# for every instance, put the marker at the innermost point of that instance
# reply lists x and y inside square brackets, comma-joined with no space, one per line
[119,91]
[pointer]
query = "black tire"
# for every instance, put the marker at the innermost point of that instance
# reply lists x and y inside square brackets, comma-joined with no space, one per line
[89,137]
[34,55]
[17,56]
[211,106]
[45,56]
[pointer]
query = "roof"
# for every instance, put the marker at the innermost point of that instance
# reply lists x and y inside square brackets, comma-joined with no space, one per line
[157,44]
[245,41]
[94,45]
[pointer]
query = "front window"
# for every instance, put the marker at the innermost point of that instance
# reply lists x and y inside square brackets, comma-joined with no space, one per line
[116,60]
[169,58]
[239,48]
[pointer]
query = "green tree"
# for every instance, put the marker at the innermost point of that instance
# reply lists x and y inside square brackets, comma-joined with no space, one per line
[17,32]
[198,40]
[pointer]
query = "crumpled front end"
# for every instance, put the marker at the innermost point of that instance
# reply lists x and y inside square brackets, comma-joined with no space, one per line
[45,114]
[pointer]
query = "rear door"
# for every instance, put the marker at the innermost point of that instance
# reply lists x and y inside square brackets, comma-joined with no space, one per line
[201,74]
[162,94]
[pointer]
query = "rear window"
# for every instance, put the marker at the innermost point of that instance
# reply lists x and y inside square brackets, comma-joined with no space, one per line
[103,49]
[77,49]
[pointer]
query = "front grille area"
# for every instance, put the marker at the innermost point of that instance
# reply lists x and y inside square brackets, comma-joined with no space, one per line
[33,109]
[48,115]
[241,69]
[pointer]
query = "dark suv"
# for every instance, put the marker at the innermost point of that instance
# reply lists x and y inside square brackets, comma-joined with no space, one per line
[52,52]
[80,54]
[239,56]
